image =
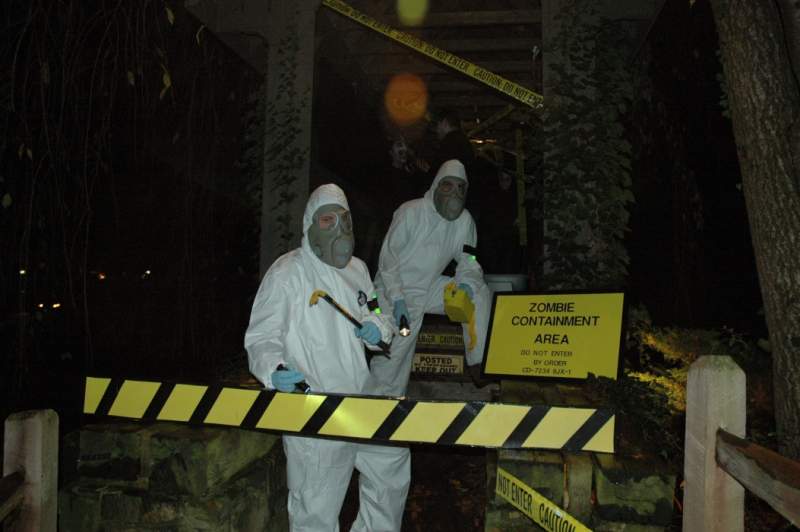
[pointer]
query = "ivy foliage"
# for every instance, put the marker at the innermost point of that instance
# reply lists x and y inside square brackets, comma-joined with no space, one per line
[284,156]
[587,164]
[650,396]
[250,163]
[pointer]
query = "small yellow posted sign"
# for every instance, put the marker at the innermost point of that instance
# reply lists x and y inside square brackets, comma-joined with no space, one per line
[527,500]
[555,335]
[438,363]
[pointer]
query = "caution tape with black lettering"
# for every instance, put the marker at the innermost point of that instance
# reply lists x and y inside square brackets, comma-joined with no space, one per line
[383,419]
[544,512]
[508,87]
[453,340]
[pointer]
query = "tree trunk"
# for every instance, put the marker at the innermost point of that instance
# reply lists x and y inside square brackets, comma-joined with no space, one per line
[765,107]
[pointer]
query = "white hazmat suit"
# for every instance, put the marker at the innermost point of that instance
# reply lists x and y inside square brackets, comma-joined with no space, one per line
[419,245]
[320,343]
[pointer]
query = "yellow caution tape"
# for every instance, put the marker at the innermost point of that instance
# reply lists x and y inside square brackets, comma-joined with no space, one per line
[381,419]
[508,87]
[453,340]
[544,512]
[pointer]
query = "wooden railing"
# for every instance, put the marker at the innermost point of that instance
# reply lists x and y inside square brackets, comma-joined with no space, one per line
[29,489]
[719,464]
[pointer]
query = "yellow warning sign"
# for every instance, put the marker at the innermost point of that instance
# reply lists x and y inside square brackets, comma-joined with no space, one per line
[508,87]
[527,500]
[372,418]
[438,363]
[555,335]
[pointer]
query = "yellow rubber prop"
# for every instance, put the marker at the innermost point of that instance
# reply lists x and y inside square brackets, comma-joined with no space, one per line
[459,307]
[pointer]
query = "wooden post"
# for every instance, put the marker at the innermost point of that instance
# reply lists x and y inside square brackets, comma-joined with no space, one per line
[715,398]
[31,446]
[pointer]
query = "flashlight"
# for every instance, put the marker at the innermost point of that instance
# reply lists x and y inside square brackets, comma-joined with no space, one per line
[405,330]
[301,386]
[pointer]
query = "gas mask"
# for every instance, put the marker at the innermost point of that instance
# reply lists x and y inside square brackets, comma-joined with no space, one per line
[331,235]
[449,197]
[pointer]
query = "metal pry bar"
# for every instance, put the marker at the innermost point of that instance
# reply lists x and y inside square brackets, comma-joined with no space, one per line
[324,295]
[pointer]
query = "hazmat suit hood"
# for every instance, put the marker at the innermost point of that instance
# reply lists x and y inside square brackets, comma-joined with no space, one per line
[328,194]
[451,168]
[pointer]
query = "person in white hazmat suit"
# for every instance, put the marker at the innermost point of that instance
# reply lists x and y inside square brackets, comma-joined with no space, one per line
[424,236]
[318,345]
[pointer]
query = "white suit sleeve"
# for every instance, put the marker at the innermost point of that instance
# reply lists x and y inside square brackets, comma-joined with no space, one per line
[391,256]
[468,269]
[265,336]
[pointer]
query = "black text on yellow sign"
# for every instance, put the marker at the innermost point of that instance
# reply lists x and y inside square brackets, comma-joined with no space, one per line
[378,419]
[555,335]
[438,363]
[527,500]
[508,87]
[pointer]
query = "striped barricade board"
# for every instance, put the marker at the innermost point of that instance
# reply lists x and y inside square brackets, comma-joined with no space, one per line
[372,418]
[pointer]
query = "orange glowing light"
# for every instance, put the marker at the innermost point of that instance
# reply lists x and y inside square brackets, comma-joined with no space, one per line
[406,99]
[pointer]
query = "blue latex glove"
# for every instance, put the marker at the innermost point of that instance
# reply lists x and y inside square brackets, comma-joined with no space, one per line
[468,289]
[400,309]
[284,379]
[369,332]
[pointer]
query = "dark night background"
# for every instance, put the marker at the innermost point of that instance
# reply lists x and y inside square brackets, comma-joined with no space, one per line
[120,181]
[692,259]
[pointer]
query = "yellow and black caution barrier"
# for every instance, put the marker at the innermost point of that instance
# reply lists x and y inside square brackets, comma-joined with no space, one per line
[379,419]
[506,86]
[527,500]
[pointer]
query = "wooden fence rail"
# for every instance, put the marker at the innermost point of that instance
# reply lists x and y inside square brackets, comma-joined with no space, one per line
[719,464]
[764,472]
[29,489]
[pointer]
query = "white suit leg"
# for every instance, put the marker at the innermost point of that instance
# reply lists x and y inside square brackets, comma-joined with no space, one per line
[390,376]
[317,473]
[385,475]
[483,311]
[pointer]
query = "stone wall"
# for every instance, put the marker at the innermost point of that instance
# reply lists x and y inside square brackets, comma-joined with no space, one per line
[171,477]
[631,490]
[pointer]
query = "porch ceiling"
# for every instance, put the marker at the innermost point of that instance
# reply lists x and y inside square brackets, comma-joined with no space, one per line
[501,36]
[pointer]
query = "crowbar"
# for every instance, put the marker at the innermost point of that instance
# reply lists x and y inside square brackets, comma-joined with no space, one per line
[324,295]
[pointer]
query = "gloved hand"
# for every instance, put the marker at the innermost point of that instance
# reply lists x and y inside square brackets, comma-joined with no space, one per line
[400,309]
[284,379]
[369,332]
[468,289]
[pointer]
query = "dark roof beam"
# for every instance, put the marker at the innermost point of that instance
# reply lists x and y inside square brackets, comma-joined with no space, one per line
[384,46]
[468,85]
[413,65]
[479,18]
